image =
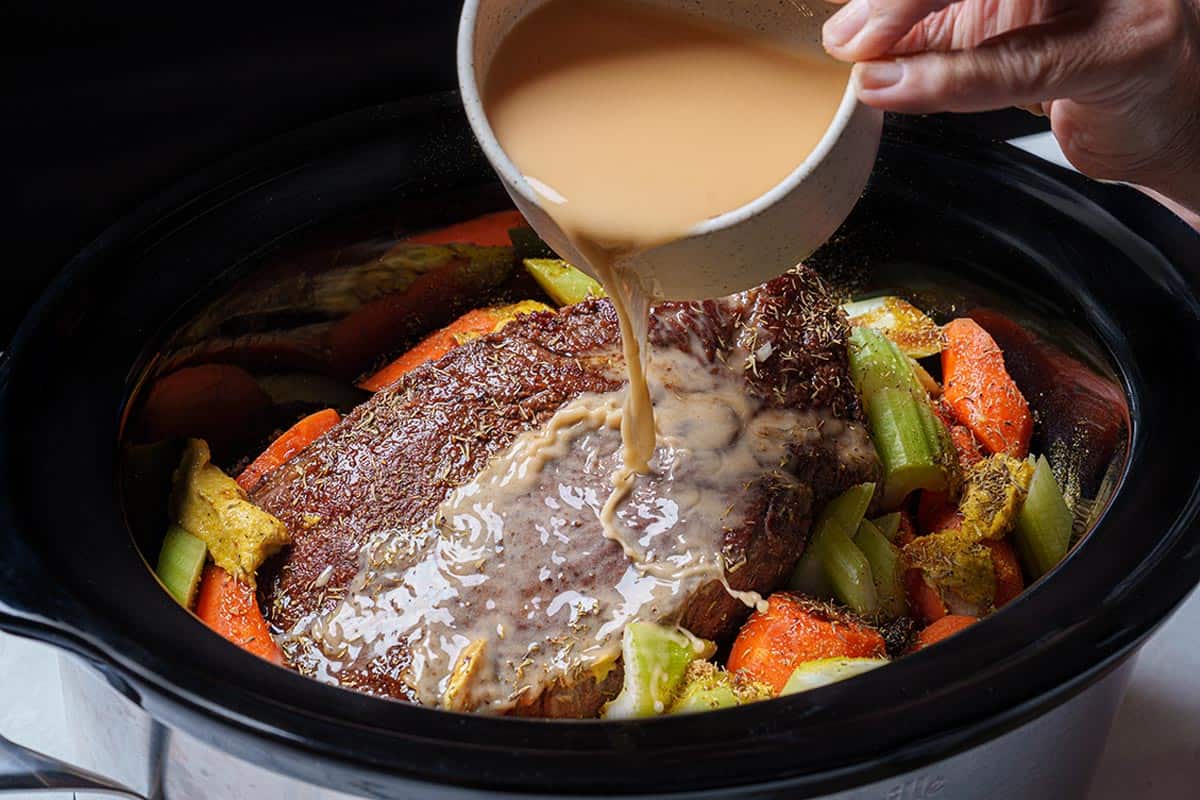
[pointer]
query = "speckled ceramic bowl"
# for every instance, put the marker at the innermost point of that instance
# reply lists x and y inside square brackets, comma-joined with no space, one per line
[748,245]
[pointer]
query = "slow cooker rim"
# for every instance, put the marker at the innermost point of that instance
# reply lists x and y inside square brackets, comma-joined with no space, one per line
[63,285]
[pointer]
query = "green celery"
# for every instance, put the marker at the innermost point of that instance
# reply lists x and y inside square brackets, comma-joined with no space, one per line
[1043,531]
[706,687]
[822,672]
[914,446]
[809,576]
[655,660]
[846,570]
[886,568]
[888,525]
[565,284]
[711,698]
[180,563]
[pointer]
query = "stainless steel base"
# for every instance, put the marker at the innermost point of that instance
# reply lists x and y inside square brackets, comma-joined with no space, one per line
[1052,757]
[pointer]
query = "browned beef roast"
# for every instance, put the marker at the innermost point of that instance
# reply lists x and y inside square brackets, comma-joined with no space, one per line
[392,463]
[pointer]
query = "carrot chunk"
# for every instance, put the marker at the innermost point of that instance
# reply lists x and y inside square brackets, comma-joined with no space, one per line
[490,230]
[1009,580]
[924,602]
[230,608]
[295,439]
[943,629]
[792,631]
[980,391]
[475,323]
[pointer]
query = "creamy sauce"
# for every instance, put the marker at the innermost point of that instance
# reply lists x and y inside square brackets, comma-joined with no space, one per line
[636,124]
[527,575]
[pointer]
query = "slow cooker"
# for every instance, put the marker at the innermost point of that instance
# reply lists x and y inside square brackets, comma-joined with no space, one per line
[1018,705]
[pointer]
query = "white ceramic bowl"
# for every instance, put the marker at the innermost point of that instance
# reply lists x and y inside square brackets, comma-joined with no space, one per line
[748,245]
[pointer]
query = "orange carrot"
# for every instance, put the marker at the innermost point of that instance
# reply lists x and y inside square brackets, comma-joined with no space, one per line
[230,608]
[980,391]
[923,600]
[1009,581]
[280,451]
[490,230]
[433,299]
[942,629]
[793,630]
[969,451]
[473,324]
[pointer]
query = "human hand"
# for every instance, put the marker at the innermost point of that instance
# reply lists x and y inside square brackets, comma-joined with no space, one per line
[1119,79]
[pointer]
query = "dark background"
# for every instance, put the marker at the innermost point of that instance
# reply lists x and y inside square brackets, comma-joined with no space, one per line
[106,103]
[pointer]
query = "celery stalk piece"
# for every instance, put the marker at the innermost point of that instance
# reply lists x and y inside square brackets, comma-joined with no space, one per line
[848,571]
[809,576]
[913,445]
[180,563]
[706,687]
[655,660]
[815,674]
[847,510]
[888,525]
[886,569]
[710,698]
[1043,531]
[847,575]
[565,284]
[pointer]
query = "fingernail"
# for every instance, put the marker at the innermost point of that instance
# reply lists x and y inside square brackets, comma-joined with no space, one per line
[845,24]
[876,75]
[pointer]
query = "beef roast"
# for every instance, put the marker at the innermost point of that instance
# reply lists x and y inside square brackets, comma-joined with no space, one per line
[419,570]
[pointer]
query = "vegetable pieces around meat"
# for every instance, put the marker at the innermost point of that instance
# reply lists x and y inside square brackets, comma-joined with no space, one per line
[180,563]
[914,333]
[1043,526]
[795,630]
[887,569]
[832,563]
[211,506]
[979,389]
[230,608]
[914,446]
[471,325]
[942,629]
[815,674]
[566,285]
[490,230]
[964,558]
[707,687]
[213,516]
[655,660]
[295,439]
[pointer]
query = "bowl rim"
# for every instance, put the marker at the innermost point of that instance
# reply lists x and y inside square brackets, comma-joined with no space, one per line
[332,733]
